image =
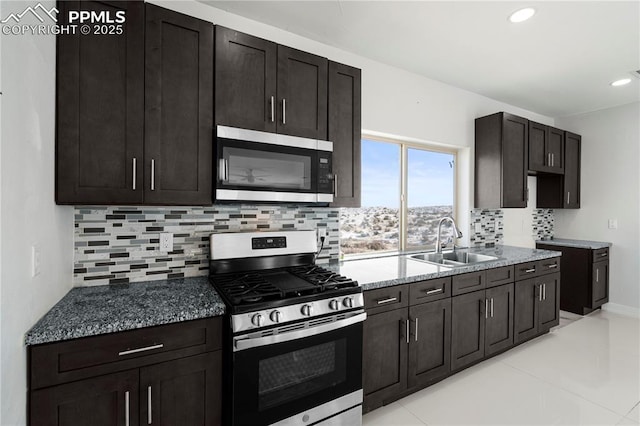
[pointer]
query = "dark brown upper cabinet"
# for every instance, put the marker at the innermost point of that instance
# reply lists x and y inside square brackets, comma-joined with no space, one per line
[546,149]
[345,132]
[268,87]
[562,191]
[178,143]
[100,109]
[135,111]
[501,161]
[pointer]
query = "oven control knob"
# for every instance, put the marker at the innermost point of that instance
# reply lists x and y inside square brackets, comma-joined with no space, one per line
[257,320]
[276,316]
[334,305]
[306,310]
[348,302]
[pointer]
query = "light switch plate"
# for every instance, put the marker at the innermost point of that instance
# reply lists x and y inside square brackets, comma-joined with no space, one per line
[613,223]
[35,261]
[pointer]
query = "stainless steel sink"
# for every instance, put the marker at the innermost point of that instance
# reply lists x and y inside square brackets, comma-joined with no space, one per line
[453,258]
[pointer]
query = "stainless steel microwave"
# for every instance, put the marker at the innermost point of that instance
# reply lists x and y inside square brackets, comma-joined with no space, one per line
[257,166]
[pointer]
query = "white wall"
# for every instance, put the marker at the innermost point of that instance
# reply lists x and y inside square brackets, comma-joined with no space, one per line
[28,213]
[610,189]
[394,102]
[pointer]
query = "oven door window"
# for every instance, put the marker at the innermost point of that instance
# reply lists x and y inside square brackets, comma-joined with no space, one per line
[277,381]
[271,167]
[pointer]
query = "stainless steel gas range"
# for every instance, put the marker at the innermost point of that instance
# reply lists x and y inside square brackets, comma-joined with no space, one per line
[295,332]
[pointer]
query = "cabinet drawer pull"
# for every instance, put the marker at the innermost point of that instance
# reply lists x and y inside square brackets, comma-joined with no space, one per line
[388,300]
[603,254]
[146,348]
[529,271]
[552,265]
[149,414]
[434,291]
[134,174]
[127,409]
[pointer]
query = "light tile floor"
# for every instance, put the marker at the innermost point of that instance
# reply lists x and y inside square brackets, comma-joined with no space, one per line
[586,372]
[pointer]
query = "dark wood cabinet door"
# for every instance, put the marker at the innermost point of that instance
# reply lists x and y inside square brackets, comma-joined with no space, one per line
[555,150]
[525,322]
[345,132]
[186,392]
[600,284]
[245,81]
[100,109]
[514,161]
[384,357]
[467,329]
[110,400]
[549,306]
[178,108]
[302,94]
[430,343]
[572,171]
[499,325]
[538,140]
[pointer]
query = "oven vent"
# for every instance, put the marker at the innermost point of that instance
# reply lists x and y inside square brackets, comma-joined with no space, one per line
[319,321]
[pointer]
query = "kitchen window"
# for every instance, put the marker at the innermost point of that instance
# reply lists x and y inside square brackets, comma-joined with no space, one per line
[406,189]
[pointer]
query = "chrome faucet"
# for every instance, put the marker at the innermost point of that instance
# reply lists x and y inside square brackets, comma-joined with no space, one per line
[456,232]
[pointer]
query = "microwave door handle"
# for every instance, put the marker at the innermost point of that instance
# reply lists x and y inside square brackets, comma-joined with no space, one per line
[243,343]
[223,172]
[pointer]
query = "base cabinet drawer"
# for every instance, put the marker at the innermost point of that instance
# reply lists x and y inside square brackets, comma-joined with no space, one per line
[386,299]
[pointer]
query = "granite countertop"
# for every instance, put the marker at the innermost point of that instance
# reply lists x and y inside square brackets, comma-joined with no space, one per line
[385,271]
[566,242]
[89,311]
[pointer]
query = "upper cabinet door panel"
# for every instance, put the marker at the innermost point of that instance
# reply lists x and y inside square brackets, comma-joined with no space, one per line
[514,161]
[555,150]
[178,108]
[100,104]
[572,171]
[538,136]
[302,94]
[345,132]
[245,81]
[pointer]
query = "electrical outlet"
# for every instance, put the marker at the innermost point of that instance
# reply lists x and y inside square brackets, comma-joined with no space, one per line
[166,241]
[35,261]
[613,223]
[477,227]
[322,232]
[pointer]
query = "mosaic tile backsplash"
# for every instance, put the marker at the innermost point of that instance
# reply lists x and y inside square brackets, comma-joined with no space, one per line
[542,224]
[116,245]
[487,227]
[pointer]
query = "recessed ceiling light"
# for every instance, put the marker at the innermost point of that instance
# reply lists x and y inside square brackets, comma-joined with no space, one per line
[522,14]
[621,82]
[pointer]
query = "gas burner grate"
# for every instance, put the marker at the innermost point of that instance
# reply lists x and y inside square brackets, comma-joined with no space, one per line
[322,278]
[247,288]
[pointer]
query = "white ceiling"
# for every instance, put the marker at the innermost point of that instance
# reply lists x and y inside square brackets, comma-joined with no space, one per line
[558,63]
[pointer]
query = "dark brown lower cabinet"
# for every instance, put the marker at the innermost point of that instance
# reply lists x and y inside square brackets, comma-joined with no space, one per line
[384,363]
[100,401]
[537,306]
[146,383]
[482,324]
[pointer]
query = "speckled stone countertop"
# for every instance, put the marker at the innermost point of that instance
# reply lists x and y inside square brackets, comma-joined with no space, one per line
[89,311]
[593,245]
[385,271]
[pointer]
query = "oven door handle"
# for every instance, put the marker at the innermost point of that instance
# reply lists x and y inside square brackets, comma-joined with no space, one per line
[240,344]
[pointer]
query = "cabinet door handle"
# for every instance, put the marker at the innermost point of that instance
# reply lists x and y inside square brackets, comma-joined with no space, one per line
[553,160]
[149,409]
[544,292]
[434,291]
[146,348]
[134,174]
[273,109]
[416,335]
[284,111]
[540,293]
[486,308]
[492,307]
[407,330]
[127,409]
[597,275]
[153,174]
[568,196]
[335,185]
[549,159]
[388,300]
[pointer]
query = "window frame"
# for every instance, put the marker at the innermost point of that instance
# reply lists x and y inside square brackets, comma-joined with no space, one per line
[404,146]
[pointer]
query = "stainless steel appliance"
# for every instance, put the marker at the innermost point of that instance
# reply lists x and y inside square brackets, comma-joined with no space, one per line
[268,167]
[295,332]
